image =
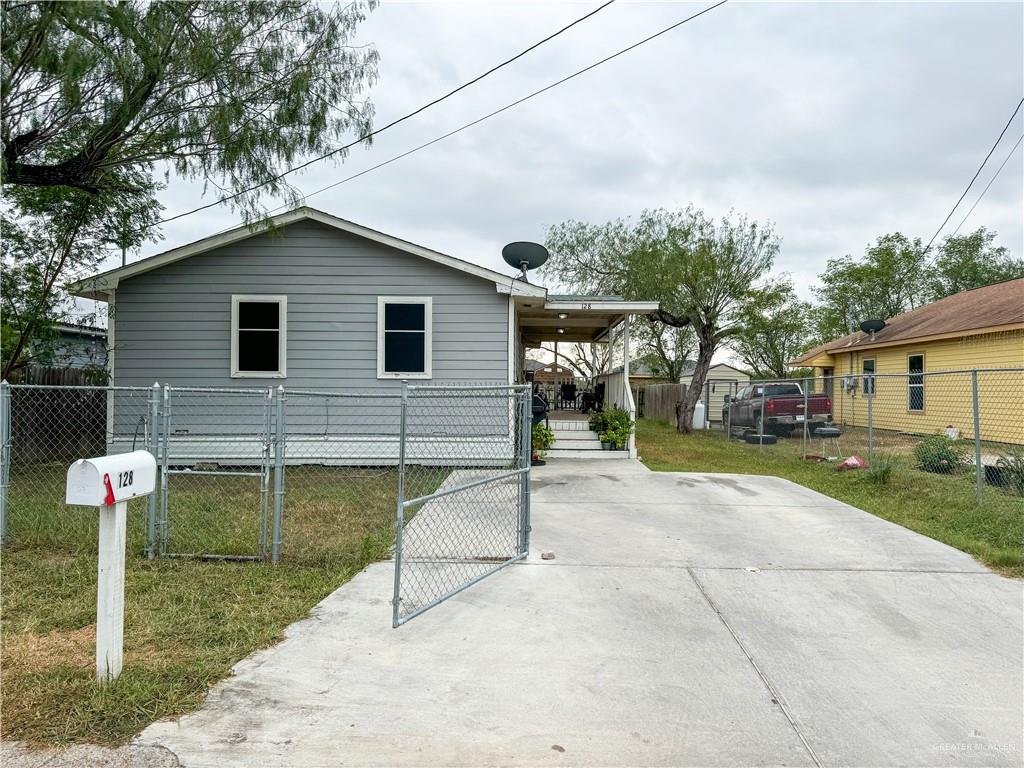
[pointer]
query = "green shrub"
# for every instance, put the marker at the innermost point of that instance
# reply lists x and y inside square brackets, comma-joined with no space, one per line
[881,469]
[542,438]
[940,454]
[599,422]
[1011,470]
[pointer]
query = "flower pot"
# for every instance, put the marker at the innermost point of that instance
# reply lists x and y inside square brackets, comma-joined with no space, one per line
[606,445]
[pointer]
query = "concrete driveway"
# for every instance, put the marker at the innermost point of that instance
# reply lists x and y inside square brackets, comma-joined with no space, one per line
[687,619]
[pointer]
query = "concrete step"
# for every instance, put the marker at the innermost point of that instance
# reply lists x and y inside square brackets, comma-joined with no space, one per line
[573,433]
[585,443]
[572,453]
[558,425]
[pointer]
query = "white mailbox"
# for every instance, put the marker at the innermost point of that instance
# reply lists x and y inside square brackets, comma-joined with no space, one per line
[108,482]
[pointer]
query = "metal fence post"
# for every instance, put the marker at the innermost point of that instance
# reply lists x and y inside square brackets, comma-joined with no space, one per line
[526,451]
[803,429]
[279,451]
[165,431]
[268,458]
[871,435]
[979,468]
[760,431]
[5,455]
[400,504]
[154,448]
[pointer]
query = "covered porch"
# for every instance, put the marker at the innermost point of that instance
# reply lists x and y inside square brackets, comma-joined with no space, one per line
[565,320]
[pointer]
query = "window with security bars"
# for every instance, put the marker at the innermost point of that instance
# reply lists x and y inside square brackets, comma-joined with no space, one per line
[868,369]
[915,383]
[258,336]
[404,337]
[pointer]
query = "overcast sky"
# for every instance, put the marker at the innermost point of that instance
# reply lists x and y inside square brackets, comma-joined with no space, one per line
[837,122]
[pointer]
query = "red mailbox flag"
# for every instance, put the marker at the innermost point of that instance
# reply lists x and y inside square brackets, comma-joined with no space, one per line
[110,490]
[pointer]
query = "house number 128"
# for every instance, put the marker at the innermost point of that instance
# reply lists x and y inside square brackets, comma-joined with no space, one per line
[125,479]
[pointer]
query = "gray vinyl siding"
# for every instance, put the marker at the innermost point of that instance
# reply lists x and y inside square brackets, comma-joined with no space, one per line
[173,324]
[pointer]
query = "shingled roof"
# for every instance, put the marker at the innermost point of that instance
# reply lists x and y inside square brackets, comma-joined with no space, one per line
[991,306]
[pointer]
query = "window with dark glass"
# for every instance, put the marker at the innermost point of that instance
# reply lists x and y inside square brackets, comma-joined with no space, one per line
[404,338]
[258,344]
[915,383]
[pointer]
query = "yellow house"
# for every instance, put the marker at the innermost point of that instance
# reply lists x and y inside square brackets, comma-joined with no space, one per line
[917,369]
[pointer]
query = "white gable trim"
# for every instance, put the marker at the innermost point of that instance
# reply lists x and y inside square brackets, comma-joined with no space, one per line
[98,286]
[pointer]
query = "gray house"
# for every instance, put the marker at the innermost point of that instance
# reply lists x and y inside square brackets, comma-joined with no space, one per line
[314,302]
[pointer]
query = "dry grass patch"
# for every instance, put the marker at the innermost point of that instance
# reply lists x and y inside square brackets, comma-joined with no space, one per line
[187,621]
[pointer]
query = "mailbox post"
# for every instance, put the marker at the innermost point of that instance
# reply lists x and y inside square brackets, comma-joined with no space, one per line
[108,482]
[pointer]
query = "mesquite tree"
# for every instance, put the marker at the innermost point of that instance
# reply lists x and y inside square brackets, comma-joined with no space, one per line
[774,326]
[699,270]
[99,101]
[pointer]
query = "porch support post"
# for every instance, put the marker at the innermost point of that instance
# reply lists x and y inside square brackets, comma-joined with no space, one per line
[627,395]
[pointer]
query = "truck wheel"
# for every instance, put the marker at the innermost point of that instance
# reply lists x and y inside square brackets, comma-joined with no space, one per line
[759,426]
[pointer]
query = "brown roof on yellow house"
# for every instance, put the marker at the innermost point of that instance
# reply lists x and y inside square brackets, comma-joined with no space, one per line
[990,306]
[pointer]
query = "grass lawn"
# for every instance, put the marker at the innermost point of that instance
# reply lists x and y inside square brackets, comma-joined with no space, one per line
[939,506]
[186,621]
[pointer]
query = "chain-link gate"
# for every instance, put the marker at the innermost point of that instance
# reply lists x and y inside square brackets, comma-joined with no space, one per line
[463,508]
[216,451]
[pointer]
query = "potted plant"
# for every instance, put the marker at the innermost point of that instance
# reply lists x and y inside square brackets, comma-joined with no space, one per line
[606,442]
[542,440]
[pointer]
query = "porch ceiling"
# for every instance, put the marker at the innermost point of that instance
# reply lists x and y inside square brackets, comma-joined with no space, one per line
[574,318]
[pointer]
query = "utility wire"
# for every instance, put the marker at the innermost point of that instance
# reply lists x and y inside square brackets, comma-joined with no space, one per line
[1005,161]
[975,177]
[515,103]
[393,123]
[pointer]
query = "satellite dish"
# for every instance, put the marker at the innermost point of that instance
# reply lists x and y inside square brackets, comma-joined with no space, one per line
[524,256]
[872,326]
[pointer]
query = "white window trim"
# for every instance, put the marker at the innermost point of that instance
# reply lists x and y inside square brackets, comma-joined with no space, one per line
[428,344]
[282,348]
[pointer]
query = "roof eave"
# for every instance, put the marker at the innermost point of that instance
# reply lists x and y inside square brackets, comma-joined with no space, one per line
[99,286]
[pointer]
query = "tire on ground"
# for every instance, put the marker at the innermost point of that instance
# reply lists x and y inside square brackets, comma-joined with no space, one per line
[754,439]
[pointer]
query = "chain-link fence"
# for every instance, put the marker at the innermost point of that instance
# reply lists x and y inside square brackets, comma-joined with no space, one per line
[967,424]
[266,474]
[463,506]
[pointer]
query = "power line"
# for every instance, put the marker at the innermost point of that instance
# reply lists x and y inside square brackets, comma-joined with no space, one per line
[393,123]
[507,107]
[975,177]
[1005,161]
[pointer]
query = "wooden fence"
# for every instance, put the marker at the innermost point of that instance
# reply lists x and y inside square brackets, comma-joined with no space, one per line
[659,401]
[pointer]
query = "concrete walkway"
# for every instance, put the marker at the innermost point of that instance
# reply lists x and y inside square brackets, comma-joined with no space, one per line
[687,619]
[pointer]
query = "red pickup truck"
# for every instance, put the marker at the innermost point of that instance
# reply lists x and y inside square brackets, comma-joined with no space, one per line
[781,406]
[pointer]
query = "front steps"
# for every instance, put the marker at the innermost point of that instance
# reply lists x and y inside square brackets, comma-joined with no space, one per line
[575,440]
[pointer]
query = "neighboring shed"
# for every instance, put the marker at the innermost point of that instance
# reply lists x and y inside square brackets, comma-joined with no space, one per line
[723,379]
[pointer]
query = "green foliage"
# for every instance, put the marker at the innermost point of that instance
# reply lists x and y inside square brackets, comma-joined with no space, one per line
[938,453]
[895,275]
[698,269]
[1011,470]
[971,261]
[542,439]
[663,349]
[95,96]
[881,469]
[888,280]
[226,91]
[613,426]
[774,326]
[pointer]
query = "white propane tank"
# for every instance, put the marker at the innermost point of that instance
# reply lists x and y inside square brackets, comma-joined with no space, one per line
[698,416]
